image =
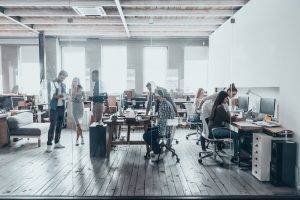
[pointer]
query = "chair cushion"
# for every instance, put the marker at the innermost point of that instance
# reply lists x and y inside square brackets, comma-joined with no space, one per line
[33,129]
[19,120]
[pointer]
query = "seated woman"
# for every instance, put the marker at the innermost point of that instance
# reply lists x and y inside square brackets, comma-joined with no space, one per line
[219,116]
[165,112]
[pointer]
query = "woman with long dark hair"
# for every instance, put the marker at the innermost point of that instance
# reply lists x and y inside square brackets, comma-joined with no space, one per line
[219,116]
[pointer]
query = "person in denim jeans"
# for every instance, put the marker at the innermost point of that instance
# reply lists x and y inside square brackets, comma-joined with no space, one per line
[219,117]
[57,110]
[165,112]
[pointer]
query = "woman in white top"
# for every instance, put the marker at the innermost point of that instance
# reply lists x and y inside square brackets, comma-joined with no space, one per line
[77,97]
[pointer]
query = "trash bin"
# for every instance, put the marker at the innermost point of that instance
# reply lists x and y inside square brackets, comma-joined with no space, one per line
[98,140]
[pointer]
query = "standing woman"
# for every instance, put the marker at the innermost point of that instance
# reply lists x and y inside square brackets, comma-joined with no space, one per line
[77,97]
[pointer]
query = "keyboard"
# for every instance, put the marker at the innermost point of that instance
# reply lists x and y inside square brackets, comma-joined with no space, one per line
[267,124]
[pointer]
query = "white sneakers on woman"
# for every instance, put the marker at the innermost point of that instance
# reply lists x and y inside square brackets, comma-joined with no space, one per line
[82,142]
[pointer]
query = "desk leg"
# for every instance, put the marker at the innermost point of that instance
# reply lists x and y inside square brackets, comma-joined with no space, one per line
[128,133]
[109,145]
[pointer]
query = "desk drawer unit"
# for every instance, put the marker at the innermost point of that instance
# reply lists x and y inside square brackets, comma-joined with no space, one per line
[261,156]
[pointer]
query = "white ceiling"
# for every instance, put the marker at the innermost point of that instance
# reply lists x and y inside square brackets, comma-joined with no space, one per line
[124,19]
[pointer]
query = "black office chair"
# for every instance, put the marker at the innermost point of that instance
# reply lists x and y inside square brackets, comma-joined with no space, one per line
[190,120]
[207,139]
[164,140]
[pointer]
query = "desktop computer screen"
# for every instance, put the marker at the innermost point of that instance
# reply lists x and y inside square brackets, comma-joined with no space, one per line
[243,103]
[267,106]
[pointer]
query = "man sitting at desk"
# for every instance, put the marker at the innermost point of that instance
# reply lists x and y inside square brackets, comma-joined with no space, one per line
[165,112]
[150,98]
[220,116]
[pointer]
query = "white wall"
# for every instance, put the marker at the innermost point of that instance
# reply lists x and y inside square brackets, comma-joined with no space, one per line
[262,49]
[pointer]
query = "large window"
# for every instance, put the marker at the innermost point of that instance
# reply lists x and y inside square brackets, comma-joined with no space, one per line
[155,65]
[73,61]
[195,68]
[28,79]
[114,68]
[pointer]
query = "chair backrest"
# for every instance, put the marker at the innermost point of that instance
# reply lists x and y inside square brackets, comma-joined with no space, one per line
[112,101]
[205,130]
[190,109]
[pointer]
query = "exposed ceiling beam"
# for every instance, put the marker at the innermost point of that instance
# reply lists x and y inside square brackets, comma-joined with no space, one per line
[40,12]
[17,21]
[125,12]
[122,17]
[55,3]
[127,3]
[117,21]
[194,3]
[174,12]
[123,34]
[88,28]
[116,28]
[13,34]
[76,20]
[175,21]
[85,34]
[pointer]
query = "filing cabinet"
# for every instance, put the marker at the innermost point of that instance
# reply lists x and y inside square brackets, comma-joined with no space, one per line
[261,156]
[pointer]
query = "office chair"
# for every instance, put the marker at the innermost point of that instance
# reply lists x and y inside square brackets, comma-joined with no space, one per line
[190,119]
[164,140]
[207,139]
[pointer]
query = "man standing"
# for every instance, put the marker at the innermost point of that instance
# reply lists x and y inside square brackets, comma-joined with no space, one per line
[57,110]
[98,107]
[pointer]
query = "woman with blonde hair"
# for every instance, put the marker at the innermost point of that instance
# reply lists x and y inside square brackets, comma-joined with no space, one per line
[77,98]
[199,96]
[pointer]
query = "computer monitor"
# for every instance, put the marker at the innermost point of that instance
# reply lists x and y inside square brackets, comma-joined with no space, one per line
[267,106]
[243,103]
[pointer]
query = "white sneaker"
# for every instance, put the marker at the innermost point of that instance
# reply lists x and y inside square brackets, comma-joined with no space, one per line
[49,148]
[82,141]
[58,146]
[77,143]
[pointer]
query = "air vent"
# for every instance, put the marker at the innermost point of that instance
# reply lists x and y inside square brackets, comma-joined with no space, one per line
[89,11]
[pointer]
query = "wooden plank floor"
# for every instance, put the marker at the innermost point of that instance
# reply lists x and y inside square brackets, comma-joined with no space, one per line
[26,169]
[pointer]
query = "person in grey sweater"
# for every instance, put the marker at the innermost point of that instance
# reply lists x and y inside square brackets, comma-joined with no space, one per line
[150,97]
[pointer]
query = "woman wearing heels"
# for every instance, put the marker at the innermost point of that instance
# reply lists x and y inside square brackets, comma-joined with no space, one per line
[77,97]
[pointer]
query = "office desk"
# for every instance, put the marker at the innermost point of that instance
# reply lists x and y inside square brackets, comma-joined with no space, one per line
[113,127]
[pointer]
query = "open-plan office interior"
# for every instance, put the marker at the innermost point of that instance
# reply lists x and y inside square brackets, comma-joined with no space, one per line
[149,99]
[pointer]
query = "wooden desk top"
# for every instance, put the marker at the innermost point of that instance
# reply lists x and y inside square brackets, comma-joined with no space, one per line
[278,131]
[246,126]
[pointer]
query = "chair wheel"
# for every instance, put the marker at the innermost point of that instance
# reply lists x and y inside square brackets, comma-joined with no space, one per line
[200,154]
[197,143]
[178,160]
[177,141]
[200,161]
[187,137]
